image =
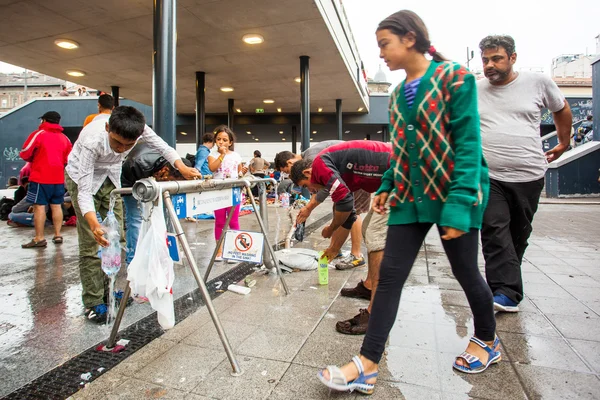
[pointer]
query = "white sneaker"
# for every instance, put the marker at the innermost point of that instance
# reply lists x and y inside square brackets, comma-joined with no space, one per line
[218,259]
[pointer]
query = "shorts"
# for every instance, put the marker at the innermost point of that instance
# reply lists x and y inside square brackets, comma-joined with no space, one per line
[362,204]
[374,231]
[44,194]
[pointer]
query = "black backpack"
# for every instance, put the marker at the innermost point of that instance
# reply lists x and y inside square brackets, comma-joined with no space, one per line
[6,206]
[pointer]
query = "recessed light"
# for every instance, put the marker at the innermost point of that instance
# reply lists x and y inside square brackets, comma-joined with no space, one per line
[283,139]
[281,132]
[249,133]
[320,109]
[226,89]
[238,110]
[279,110]
[347,132]
[253,38]
[256,139]
[268,101]
[360,109]
[183,133]
[311,139]
[365,139]
[297,79]
[379,131]
[314,132]
[66,44]
[76,73]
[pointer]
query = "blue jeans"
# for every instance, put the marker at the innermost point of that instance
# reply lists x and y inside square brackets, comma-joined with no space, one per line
[133,222]
[23,218]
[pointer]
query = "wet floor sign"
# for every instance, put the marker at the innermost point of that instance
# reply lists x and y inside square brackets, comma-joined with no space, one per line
[243,246]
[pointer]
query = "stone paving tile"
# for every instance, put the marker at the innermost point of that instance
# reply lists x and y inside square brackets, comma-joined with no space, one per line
[207,336]
[259,378]
[574,280]
[525,322]
[301,382]
[573,327]
[134,389]
[100,388]
[545,383]
[563,307]
[273,344]
[182,367]
[542,351]
[589,350]
[132,364]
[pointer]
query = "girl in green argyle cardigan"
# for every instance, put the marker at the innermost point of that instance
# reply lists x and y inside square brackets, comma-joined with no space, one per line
[437,176]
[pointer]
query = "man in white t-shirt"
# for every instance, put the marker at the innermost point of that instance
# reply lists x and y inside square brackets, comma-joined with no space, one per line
[510,107]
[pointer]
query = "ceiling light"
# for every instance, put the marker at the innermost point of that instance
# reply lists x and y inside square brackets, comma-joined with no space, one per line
[283,138]
[253,38]
[66,44]
[75,73]
[256,139]
[311,139]
[268,101]
[238,110]
[281,132]
[360,109]
[379,131]
[320,109]
[226,89]
[347,132]
[314,132]
[248,132]
[279,110]
[297,79]
[183,133]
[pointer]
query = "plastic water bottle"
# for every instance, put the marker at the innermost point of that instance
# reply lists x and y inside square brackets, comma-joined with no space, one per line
[111,255]
[323,269]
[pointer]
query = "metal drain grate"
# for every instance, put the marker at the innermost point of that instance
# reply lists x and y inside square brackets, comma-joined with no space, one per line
[65,380]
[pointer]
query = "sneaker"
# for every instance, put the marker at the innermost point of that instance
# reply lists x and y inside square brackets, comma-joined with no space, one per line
[97,313]
[358,292]
[356,325]
[351,262]
[504,304]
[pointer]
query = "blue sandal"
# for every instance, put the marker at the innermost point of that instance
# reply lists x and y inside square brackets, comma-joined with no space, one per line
[337,380]
[475,365]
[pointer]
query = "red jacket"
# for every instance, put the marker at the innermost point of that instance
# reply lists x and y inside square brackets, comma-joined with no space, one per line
[47,150]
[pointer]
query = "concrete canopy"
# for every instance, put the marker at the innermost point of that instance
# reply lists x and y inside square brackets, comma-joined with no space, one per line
[116,36]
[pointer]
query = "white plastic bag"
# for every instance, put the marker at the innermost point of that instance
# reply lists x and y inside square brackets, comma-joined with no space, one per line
[151,270]
[298,258]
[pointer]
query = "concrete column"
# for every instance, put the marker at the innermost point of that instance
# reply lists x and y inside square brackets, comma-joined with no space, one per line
[115,94]
[200,107]
[338,118]
[304,103]
[230,112]
[294,139]
[164,69]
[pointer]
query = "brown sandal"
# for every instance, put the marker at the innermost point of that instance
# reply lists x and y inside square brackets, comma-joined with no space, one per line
[356,325]
[57,239]
[33,244]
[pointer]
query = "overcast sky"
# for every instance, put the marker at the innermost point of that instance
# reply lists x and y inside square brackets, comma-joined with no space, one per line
[541,30]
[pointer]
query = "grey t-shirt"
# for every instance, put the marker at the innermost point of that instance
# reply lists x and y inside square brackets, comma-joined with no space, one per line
[510,125]
[311,153]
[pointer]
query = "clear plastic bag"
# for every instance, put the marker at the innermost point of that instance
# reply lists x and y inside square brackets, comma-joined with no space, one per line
[111,255]
[151,271]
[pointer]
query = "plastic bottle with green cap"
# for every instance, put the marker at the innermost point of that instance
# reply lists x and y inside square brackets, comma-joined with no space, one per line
[323,269]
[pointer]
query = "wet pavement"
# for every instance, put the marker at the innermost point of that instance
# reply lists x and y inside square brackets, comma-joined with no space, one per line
[551,349]
[42,314]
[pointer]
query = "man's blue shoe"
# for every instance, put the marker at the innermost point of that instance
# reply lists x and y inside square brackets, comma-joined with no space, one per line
[97,313]
[504,304]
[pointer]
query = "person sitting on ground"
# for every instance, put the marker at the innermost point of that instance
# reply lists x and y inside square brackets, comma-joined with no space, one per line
[201,161]
[93,172]
[22,215]
[106,103]
[21,191]
[13,183]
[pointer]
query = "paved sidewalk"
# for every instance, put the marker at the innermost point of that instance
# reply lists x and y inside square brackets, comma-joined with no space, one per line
[551,349]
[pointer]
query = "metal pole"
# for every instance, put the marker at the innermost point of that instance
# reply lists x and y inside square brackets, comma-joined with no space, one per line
[294,139]
[385,133]
[115,94]
[165,47]
[219,244]
[115,329]
[338,118]
[200,107]
[264,213]
[230,114]
[237,370]
[25,88]
[267,242]
[304,103]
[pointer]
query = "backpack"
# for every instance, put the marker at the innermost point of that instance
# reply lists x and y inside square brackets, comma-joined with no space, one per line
[6,206]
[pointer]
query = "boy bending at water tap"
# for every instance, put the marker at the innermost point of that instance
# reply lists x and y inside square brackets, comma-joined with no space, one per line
[93,172]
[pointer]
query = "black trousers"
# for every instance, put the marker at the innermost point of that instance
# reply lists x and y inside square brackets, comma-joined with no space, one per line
[505,232]
[401,249]
[255,191]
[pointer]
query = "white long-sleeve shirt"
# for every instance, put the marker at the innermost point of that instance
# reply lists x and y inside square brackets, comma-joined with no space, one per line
[92,160]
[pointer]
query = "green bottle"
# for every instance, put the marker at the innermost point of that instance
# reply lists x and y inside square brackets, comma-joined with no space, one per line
[323,269]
